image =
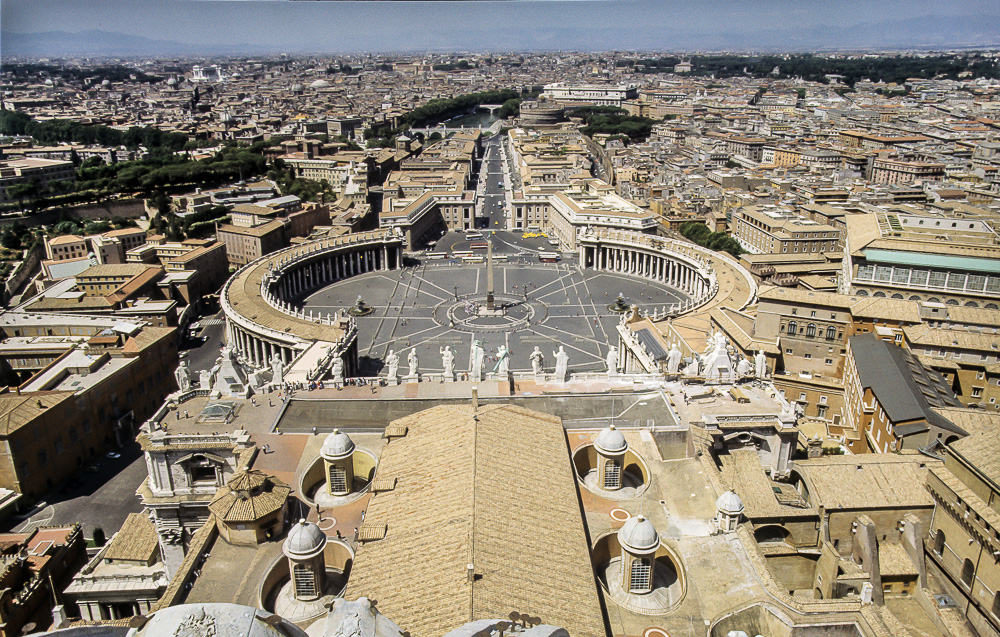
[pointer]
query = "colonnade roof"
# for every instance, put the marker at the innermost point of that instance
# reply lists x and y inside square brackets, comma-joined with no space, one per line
[243,290]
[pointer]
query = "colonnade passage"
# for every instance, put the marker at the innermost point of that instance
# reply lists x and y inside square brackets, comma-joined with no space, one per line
[323,270]
[676,274]
[257,350]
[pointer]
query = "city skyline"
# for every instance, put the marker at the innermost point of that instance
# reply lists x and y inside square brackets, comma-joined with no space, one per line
[214,27]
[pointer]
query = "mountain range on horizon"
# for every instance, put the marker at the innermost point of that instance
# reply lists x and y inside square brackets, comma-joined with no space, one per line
[964,32]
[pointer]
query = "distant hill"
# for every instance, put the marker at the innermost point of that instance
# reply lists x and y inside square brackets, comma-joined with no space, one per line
[104,43]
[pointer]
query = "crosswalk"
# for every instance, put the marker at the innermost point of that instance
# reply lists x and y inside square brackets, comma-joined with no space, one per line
[211,322]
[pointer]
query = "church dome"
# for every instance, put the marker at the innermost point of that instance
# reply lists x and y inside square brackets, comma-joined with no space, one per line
[208,618]
[172,81]
[611,441]
[319,84]
[729,503]
[305,539]
[337,445]
[297,88]
[638,535]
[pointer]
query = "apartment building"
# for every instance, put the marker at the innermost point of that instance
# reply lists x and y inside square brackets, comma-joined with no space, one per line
[84,402]
[776,229]
[964,533]
[891,398]
[244,245]
[898,171]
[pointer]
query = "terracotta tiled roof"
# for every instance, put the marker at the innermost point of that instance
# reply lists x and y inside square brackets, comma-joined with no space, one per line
[497,493]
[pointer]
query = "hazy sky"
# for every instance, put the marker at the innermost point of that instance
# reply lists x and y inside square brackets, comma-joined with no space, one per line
[201,25]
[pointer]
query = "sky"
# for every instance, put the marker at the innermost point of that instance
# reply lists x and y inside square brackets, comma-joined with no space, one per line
[130,27]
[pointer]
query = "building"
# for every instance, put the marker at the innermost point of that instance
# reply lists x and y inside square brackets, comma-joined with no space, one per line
[593,204]
[43,172]
[186,472]
[923,254]
[773,229]
[245,244]
[125,578]
[891,397]
[34,563]
[898,171]
[86,400]
[967,357]
[963,534]
[586,94]
[124,289]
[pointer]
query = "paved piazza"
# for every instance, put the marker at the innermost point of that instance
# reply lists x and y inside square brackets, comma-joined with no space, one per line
[417,308]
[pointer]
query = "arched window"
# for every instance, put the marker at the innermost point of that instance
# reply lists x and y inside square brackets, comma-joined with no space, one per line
[831,333]
[897,296]
[951,302]
[861,293]
[640,580]
[793,327]
[914,297]
[612,474]
[968,573]
[879,295]
[992,306]
[811,329]
[939,542]
[971,304]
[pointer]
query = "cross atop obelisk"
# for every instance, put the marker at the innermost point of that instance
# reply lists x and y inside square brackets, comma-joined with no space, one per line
[489,276]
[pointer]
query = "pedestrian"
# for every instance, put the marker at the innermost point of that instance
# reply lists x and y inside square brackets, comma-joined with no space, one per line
[269,403]
[178,415]
[186,414]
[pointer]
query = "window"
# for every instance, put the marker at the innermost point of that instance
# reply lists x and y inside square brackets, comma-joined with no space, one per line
[811,329]
[305,583]
[831,333]
[829,361]
[640,580]
[821,411]
[338,479]
[802,396]
[996,604]
[977,392]
[42,456]
[968,573]
[612,475]
[793,327]
[788,351]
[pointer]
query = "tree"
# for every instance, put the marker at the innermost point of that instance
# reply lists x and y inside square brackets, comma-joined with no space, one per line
[21,191]
[99,537]
[10,240]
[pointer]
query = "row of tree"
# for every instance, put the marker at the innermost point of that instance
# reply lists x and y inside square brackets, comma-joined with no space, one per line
[58,131]
[718,241]
[815,68]
[612,120]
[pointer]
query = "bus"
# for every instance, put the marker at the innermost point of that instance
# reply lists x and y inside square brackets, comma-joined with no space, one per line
[474,259]
[548,257]
[479,245]
[473,235]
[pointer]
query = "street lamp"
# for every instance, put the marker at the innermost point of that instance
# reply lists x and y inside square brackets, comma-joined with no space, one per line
[456,292]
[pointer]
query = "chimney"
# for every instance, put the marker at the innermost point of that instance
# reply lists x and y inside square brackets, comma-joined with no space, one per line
[475,399]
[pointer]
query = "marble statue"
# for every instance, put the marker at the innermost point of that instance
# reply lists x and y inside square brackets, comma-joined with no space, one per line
[537,358]
[448,360]
[562,364]
[694,367]
[760,364]
[743,368]
[338,370]
[612,361]
[183,375]
[503,361]
[392,365]
[674,359]
[413,362]
[277,369]
[205,379]
[476,361]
